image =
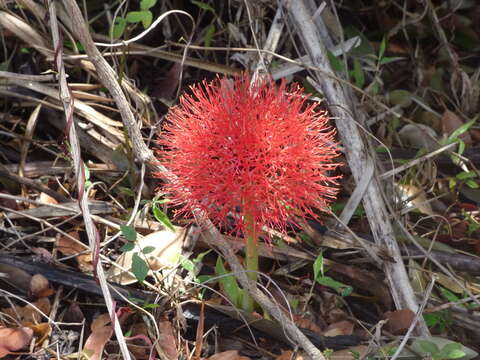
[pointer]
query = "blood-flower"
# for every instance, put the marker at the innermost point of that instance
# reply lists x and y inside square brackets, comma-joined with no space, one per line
[259,149]
[259,153]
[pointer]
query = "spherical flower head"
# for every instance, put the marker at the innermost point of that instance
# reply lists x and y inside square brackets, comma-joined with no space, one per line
[235,149]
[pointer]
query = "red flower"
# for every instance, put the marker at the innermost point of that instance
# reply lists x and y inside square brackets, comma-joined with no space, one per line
[261,150]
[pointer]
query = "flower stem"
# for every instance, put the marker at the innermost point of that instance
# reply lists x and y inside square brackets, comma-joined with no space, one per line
[251,258]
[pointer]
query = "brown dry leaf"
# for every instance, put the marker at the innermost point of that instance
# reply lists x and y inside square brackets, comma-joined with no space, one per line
[101,333]
[399,321]
[350,353]
[343,327]
[288,355]
[74,313]
[47,199]
[418,136]
[14,339]
[42,331]
[451,122]
[43,253]
[415,197]
[16,277]
[167,340]
[40,287]
[167,250]
[30,313]
[228,355]
[69,247]
[305,323]
[100,321]
[449,283]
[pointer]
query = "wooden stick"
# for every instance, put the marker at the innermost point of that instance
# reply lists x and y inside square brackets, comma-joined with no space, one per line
[358,154]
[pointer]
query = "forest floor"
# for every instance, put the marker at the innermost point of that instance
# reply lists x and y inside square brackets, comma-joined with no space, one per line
[97,261]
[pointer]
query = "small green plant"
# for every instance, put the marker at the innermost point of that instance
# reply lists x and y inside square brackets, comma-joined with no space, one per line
[449,351]
[339,206]
[322,279]
[210,30]
[229,284]
[139,265]
[193,266]
[455,138]
[464,177]
[159,214]
[327,353]
[473,224]
[438,319]
[144,16]
[380,60]
[88,183]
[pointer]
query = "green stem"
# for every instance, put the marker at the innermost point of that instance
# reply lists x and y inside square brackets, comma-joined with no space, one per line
[251,259]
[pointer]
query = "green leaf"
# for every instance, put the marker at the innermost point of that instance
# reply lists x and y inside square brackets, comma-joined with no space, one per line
[381,149]
[294,302]
[129,233]
[471,184]
[429,347]
[127,191]
[383,46]
[318,266]
[203,278]
[336,64]
[162,217]
[459,131]
[129,246]
[400,97]
[358,74]
[203,6]
[461,147]
[432,319]
[466,175]
[147,4]
[134,17]
[118,27]
[147,20]
[207,40]
[342,289]
[77,44]
[388,60]
[456,354]
[144,16]
[450,296]
[452,351]
[139,268]
[200,256]
[87,171]
[151,306]
[374,88]
[148,249]
[228,283]
[451,183]
[162,201]
[188,265]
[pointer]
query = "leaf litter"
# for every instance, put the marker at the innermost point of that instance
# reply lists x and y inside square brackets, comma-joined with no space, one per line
[414,72]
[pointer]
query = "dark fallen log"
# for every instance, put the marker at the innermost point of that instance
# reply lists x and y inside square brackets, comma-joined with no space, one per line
[227,320]
[459,262]
[72,279]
